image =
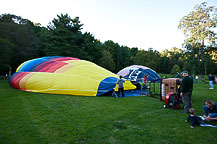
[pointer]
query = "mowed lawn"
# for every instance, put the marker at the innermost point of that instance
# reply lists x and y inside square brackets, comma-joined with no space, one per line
[36,118]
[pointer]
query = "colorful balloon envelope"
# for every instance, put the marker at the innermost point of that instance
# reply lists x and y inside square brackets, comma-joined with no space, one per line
[65,75]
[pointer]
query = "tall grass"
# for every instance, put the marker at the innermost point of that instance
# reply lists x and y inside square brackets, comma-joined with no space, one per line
[27,117]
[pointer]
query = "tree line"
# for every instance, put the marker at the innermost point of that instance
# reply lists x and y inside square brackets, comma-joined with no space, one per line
[22,40]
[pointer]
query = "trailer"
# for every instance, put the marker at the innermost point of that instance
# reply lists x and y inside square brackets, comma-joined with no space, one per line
[170,93]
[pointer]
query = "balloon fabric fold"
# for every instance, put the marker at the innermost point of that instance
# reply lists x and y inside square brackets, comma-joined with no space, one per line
[64,75]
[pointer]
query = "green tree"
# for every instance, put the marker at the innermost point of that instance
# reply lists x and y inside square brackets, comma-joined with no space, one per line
[175,69]
[163,65]
[20,33]
[106,61]
[114,49]
[124,57]
[65,38]
[175,58]
[198,27]
[132,53]
[6,48]
[42,33]
[165,53]
[92,47]
[148,58]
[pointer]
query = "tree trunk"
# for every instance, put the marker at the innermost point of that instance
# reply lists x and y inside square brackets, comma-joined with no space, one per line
[198,58]
[205,71]
[193,57]
[202,57]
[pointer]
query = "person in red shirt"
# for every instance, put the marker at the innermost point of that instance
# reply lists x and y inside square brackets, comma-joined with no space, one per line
[144,82]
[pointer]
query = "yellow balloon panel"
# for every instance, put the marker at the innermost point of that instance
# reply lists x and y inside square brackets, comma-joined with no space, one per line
[65,75]
[62,84]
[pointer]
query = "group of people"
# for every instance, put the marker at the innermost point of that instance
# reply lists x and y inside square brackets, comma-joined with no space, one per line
[212,80]
[210,107]
[121,81]
[186,89]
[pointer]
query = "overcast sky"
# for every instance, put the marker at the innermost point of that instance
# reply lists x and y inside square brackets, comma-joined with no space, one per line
[133,23]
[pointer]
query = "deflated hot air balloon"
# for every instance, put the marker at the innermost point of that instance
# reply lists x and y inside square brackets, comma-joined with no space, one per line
[136,73]
[65,75]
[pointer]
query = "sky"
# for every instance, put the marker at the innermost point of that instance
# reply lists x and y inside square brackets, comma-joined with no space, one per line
[134,23]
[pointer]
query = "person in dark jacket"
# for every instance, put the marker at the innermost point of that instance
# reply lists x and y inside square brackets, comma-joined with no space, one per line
[186,89]
[195,120]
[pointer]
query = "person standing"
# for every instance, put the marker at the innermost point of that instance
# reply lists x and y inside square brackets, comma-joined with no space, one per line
[120,83]
[196,78]
[144,82]
[211,81]
[186,91]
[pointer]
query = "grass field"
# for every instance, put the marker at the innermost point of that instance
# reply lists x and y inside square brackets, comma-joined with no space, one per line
[36,118]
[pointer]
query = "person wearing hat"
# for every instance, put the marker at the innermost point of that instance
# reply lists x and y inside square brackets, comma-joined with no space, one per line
[186,89]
